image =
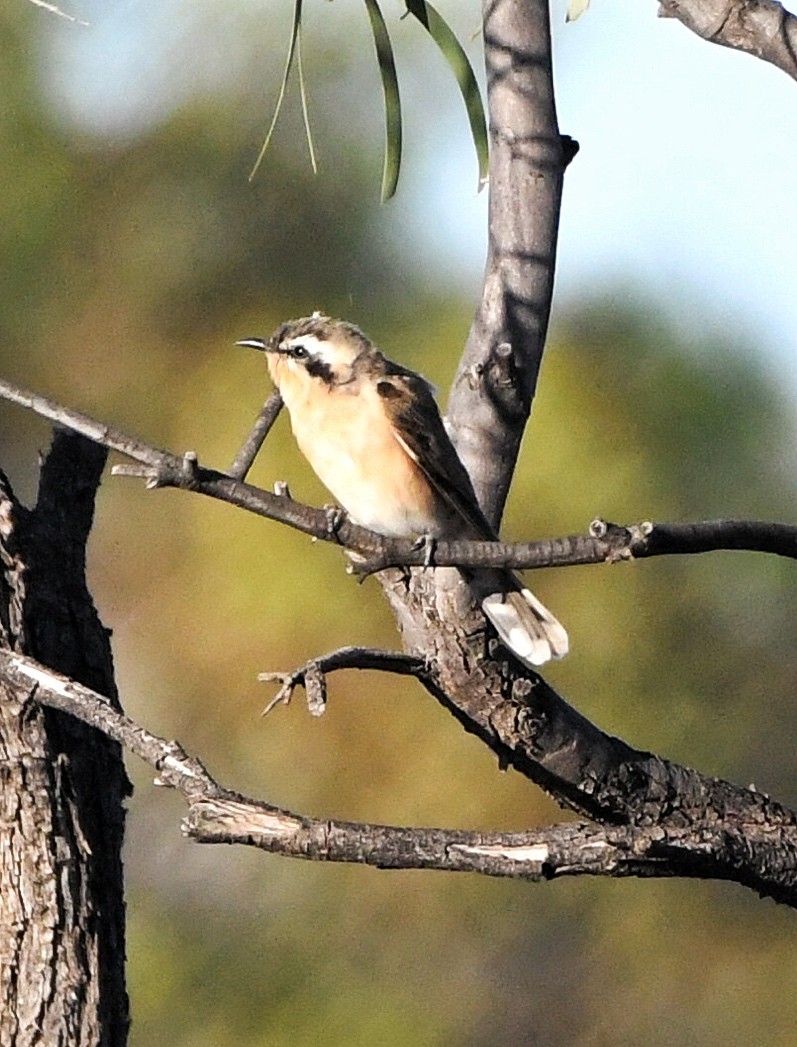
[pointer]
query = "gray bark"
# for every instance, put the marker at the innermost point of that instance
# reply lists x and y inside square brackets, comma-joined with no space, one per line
[62,931]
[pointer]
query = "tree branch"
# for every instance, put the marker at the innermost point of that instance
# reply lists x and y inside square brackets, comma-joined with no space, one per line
[312,675]
[757,850]
[605,543]
[164,469]
[511,709]
[763,28]
[260,430]
[492,392]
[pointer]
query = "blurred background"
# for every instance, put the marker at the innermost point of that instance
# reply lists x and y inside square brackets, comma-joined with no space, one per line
[133,254]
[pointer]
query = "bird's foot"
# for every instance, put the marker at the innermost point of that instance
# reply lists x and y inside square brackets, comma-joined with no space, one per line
[428,543]
[336,517]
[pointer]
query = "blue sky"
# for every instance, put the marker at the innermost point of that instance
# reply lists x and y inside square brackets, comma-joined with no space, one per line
[685,186]
[684,189]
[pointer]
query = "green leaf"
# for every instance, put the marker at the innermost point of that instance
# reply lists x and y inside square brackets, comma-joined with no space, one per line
[295,29]
[454,54]
[390,90]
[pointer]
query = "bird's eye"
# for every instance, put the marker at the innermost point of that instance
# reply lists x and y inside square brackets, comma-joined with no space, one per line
[299,352]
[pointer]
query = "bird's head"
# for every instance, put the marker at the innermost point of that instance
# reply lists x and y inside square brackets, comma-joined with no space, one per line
[315,350]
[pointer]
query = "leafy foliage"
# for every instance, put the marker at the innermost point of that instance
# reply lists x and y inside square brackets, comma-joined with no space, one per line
[453,52]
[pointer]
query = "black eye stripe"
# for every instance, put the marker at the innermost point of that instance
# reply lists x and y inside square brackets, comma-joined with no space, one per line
[315,366]
[318,368]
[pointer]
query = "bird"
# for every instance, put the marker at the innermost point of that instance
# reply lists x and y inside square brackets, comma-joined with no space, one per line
[373,434]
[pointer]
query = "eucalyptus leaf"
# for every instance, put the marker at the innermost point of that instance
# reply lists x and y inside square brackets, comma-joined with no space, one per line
[303,95]
[390,90]
[458,61]
[295,30]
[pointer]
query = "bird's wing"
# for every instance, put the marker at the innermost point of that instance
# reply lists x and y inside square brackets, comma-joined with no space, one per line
[418,427]
[523,624]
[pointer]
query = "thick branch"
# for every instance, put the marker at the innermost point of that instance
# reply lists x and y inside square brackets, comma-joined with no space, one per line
[758,849]
[62,818]
[512,710]
[494,386]
[763,28]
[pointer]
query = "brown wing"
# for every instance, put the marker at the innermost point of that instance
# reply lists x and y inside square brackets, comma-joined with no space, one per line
[521,621]
[420,431]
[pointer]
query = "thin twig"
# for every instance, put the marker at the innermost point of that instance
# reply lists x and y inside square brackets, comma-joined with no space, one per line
[312,675]
[269,413]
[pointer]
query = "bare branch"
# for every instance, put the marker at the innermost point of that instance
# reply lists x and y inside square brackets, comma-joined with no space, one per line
[511,709]
[312,675]
[262,427]
[605,543]
[165,469]
[37,682]
[83,424]
[757,850]
[763,28]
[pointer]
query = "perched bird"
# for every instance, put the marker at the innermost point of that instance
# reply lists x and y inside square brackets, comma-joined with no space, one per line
[373,434]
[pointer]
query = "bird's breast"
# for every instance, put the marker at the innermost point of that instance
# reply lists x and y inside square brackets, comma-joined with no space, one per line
[349,440]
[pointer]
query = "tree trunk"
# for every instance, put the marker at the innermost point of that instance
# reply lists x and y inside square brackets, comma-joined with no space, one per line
[62,931]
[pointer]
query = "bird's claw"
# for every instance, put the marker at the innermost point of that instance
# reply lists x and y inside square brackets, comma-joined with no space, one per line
[428,543]
[336,517]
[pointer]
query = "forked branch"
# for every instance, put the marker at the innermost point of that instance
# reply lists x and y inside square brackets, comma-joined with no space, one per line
[312,675]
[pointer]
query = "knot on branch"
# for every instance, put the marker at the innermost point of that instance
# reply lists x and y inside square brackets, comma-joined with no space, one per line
[169,471]
[620,542]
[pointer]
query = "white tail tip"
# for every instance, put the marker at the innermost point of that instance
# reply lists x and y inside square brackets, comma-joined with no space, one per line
[526,627]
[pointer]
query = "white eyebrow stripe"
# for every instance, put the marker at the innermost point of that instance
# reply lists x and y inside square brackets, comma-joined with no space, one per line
[312,344]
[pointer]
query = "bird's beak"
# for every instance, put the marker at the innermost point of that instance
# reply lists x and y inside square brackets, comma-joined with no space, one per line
[254,343]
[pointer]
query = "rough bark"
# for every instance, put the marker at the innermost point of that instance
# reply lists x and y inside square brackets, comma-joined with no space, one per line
[62,940]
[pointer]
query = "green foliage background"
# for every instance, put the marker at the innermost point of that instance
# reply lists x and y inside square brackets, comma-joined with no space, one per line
[129,266]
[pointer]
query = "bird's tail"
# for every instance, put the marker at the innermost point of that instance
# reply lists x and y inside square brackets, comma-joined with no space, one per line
[525,626]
